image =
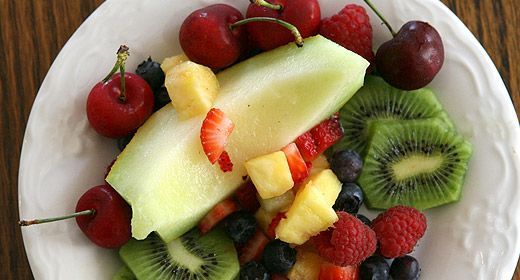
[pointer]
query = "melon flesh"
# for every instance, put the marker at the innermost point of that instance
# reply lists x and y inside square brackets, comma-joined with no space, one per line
[272,98]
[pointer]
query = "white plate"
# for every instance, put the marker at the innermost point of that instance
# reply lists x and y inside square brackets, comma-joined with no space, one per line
[477,238]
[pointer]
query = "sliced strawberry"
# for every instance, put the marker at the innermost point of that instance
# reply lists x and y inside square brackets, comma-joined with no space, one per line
[214,133]
[246,196]
[217,214]
[253,248]
[315,141]
[327,133]
[329,271]
[225,162]
[274,223]
[307,146]
[299,170]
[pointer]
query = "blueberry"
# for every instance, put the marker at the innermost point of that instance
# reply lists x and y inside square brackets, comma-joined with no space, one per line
[161,98]
[374,268]
[364,219]
[347,165]
[151,72]
[240,226]
[278,256]
[405,268]
[253,271]
[349,199]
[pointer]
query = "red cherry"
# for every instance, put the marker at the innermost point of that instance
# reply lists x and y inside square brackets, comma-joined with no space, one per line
[305,15]
[116,107]
[103,216]
[109,226]
[206,37]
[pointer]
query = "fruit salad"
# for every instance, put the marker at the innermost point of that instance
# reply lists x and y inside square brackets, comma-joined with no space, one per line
[250,154]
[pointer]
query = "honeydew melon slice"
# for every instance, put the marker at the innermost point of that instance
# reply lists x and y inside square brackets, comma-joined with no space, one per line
[272,98]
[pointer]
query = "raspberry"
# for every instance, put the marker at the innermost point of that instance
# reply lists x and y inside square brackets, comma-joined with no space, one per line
[398,230]
[246,196]
[350,242]
[351,29]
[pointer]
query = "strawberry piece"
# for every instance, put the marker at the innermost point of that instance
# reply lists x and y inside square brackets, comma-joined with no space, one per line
[329,271]
[315,141]
[327,133]
[253,249]
[214,133]
[217,214]
[307,146]
[274,223]
[246,196]
[225,162]
[299,170]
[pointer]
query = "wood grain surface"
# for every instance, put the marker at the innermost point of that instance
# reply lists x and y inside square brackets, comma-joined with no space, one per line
[32,32]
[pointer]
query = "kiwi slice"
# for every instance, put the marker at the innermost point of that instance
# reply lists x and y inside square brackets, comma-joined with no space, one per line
[124,273]
[376,101]
[192,256]
[416,163]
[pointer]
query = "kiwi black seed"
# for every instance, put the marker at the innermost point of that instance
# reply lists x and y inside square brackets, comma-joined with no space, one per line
[417,163]
[377,101]
[208,257]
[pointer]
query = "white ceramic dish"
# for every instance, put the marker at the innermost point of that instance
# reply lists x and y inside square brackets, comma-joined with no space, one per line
[477,238]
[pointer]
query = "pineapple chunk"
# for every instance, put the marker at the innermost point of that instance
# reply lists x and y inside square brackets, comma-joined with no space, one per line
[277,204]
[311,211]
[192,88]
[270,174]
[319,164]
[170,62]
[264,218]
[307,266]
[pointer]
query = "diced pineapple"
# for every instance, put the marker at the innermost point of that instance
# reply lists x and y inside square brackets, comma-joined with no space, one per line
[264,218]
[311,211]
[328,183]
[307,266]
[270,174]
[277,204]
[192,88]
[319,164]
[170,62]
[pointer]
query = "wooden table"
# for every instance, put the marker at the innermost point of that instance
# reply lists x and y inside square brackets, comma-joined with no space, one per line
[32,33]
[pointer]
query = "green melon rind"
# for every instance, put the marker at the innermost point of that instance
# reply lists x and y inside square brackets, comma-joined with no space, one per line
[124,273]
[138,255]
[423,105]
[423,197]
[272,98]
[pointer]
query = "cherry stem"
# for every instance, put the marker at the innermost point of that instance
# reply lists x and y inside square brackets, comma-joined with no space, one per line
[380,17]
[41,221]
[297,36]
[122,55]
[263,3]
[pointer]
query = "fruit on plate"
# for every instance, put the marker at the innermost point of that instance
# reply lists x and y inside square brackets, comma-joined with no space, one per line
[214,133]
[297,165]
[210,256]
[406,267]
[206,37]
[378,100]
[253,248]
[264,218]
[192,88]
[278,256]
[270,174]
[307,266]
[314,142]
[311,211]
[217,214]
[101,214]
[120,103]
[304,15]
[163,172]
[416,163]
[375,267]
[413,57]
